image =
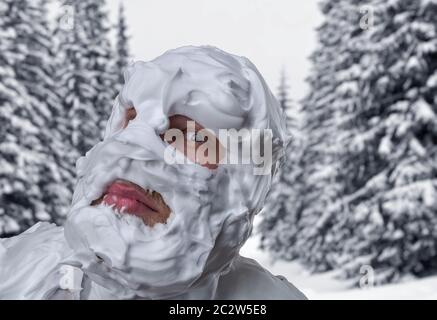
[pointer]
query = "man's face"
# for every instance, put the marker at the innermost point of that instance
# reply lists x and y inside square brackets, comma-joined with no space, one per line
[186,220]
[128,197]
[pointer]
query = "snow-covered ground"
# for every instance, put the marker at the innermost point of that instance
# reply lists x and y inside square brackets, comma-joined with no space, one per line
[325,286]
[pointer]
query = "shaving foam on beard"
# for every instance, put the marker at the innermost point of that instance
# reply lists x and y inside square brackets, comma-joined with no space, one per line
[212,211]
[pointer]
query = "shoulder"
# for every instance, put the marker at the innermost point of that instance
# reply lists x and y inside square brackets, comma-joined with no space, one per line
[29,261]
[248,280]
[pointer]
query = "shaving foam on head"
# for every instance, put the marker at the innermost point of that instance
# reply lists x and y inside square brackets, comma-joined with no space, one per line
[212,210]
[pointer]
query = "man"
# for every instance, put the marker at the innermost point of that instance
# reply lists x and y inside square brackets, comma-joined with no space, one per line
[159,211]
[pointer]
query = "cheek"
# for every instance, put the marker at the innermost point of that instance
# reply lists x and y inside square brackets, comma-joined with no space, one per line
[190,152]
[209,158]
[188,149]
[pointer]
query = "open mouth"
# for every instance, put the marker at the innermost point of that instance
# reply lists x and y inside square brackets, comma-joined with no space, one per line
[128,197]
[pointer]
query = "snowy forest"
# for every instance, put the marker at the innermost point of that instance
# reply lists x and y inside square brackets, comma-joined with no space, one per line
[58,80]
[359,186]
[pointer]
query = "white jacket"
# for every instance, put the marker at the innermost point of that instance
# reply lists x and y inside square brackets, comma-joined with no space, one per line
[34,265]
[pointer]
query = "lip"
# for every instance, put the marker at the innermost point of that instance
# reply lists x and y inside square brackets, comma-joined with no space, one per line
[128,197]
[125,189]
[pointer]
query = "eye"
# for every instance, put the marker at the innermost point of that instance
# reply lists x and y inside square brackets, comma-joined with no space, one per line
[196,137]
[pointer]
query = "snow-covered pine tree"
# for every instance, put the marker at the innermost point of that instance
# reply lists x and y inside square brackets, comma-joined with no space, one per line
[31,179]
[36,73]
[79,118]
[279,226]
[12,97]
[101,59]
[393,190]
[370,151]
[86,82]
[285,102]
[318,242]
[122,47]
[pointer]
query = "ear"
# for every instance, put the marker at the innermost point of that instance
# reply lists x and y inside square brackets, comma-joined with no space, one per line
[116,121]
[266,113]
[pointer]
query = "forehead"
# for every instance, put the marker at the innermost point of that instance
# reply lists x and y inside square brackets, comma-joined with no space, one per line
[210,90]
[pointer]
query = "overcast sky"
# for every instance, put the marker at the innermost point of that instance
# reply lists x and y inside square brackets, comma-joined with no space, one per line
[270,33]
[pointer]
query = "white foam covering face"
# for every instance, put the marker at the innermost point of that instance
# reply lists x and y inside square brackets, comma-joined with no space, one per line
[212,210]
